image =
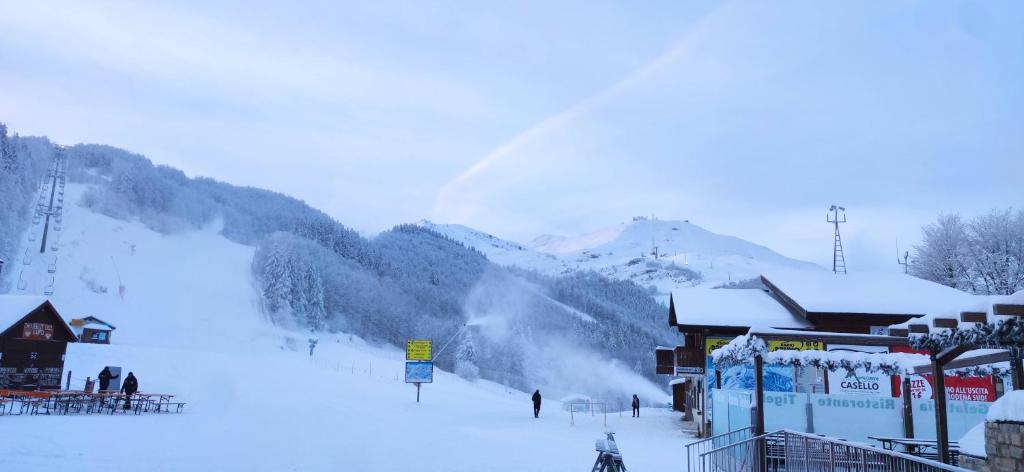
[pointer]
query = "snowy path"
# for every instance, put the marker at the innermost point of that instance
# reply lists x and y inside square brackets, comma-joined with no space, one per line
[282,411]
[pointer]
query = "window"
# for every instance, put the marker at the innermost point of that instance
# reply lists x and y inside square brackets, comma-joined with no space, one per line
[99,335]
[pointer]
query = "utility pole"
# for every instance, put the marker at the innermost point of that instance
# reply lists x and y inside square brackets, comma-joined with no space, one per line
[838,261]
[905,262]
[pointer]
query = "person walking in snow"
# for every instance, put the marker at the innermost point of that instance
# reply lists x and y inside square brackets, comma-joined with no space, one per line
[105,376]
[636,406]
[131,385]
[536,404]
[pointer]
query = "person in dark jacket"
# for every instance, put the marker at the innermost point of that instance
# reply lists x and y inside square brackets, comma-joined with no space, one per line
[105,376]
[536,404]
[131,385]
[636,406]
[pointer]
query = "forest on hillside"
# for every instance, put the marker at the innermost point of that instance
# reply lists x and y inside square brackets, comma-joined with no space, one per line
[511,326]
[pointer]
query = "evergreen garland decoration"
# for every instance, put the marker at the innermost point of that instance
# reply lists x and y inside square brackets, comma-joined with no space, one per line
[743,349]
[1003,334]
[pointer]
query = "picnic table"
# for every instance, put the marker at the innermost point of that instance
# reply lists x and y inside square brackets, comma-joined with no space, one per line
[927,448]
[66,401]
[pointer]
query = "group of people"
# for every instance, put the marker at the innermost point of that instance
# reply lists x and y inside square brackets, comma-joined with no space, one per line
[537,399]
[129,387]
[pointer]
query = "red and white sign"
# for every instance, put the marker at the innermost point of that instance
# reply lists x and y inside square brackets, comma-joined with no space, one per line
[976,389]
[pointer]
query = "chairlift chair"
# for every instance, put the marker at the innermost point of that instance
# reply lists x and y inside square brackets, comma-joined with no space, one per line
[22,283]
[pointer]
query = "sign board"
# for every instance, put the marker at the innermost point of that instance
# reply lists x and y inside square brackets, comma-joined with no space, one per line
[689,370]
[41,331]
[419,372]
[978,389]
[418,350]
[796,345]
[860,381]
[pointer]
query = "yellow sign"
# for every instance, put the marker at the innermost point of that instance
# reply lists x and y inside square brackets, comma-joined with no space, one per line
[418,350]
[796,345]
[710,344]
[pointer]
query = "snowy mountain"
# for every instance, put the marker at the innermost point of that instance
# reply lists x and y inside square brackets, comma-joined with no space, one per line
[306,272]
[501,251]
[189,322]
[687,255]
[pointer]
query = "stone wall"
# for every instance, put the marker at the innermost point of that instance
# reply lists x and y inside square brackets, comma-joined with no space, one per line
[1004,445]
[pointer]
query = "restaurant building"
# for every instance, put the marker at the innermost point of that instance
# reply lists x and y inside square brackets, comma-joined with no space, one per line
[863,303]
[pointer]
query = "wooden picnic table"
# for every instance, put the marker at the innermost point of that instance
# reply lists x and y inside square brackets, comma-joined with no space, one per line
[64,401]
[918,447]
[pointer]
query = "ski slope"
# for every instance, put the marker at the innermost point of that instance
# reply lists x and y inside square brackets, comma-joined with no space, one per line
[189,324]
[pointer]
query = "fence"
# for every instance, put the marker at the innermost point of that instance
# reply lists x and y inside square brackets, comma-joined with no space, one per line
[850,417]
[695,449]
[793,451]
[584,407]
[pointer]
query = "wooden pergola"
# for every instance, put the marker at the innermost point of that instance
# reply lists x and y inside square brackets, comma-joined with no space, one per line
[941,361]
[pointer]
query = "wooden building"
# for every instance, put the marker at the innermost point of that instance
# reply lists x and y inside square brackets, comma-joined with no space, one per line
[33,342]
[866,303]
[92,330]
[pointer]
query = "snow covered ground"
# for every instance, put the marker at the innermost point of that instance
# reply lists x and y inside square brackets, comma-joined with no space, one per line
[188,324]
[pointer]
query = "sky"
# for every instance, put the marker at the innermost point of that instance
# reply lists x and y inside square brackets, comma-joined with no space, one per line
[530,118]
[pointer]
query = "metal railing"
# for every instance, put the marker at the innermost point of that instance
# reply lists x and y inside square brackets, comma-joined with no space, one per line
[695,449]
[792,451]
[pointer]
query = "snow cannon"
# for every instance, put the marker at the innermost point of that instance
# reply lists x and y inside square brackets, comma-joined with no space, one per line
[609,459]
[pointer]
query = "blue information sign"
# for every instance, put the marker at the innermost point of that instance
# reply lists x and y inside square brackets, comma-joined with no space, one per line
[419,372]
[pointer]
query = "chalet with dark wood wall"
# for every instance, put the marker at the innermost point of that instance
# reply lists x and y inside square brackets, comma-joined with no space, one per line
[806,301]
[33,342]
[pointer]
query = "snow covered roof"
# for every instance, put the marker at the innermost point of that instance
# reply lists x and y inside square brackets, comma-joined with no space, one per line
[91,322]
[881,293]
[15,307]
[986,304]
[733,308]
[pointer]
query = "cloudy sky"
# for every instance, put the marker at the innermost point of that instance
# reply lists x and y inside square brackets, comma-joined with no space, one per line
[748,118]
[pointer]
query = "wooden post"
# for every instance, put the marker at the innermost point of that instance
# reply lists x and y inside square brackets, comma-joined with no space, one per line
[941,425]
[826,381]
[417,392]
[1016,370]
[68,387]
[759,395]
[718,379]
[908,410]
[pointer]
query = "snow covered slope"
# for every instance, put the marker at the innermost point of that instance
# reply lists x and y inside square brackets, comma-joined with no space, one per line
[688,255]
[188,324]
[500,251]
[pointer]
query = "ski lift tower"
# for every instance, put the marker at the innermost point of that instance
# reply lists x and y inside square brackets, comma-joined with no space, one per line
[838,261]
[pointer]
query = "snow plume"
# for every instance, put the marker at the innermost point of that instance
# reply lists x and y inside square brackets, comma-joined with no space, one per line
[541,343]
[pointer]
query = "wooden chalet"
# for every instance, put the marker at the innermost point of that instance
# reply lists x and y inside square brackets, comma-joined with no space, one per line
[33,342]
[862,303]
[801,301]
[92,330]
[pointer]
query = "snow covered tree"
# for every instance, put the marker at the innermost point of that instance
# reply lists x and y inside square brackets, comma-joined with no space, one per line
[465,359]
[984,256]
[941,256]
